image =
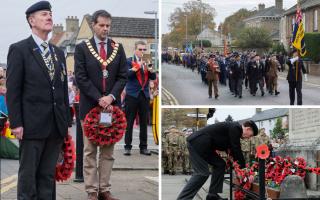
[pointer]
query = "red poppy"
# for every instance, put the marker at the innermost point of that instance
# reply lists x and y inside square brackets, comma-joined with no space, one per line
[262,151]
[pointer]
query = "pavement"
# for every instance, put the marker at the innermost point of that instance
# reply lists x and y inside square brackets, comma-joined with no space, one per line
[181,86]
[134,177]
[172,186]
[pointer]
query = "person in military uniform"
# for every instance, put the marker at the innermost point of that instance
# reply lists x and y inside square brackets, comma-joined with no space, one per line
[294,77]
[38,104]
[273,75]
[185,161]
[202,144]
[261,138]
[173,142]
[246,147]
[165,149]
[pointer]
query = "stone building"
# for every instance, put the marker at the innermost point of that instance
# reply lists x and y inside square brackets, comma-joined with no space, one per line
[213,36]
[268,18]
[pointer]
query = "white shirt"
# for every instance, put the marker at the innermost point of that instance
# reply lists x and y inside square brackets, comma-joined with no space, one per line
[39,41]
[97,41]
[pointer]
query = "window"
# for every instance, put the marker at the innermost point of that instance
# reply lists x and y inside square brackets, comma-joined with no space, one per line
[315,20]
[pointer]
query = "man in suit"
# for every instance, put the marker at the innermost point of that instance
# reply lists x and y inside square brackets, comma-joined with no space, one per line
[237,75]
[137,97]
[202,145]
[37,97]
[256,74]
[294,77]
[101,74]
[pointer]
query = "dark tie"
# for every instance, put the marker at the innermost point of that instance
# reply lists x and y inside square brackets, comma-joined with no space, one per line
[142,73]
[103,53]
[48,59]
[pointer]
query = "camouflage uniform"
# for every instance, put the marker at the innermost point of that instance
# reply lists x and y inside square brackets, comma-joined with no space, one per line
[171,150]
[164,152]
[185,162]
[247,146]
[261,138]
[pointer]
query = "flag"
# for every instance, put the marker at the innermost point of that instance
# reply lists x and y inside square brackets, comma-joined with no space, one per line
[225,47]
[298,33]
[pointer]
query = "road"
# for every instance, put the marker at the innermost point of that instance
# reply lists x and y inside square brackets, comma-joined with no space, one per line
[181,86]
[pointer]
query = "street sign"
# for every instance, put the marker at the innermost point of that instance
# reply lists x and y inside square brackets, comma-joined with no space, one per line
[195,115]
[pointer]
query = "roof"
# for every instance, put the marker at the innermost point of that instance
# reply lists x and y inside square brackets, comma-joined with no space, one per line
[304,4]
[131,27]
[270,114]
[56,38]
[267,12]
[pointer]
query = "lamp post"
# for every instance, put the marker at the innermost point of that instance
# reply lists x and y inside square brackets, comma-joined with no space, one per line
[201,19]
[186,31]
[155,35]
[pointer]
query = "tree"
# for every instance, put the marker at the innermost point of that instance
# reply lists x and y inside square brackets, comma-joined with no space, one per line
[254,38]
[312,41]
[277,131]
[229,119]
[234,22]
[205,43]
[191,11]
[278,48]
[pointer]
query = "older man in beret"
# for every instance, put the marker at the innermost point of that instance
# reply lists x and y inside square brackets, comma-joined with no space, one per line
[202,146]
[37,98]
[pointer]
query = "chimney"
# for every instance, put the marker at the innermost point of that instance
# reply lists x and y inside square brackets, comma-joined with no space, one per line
[261,6]
[279,4]
[258,110]
[72,24]
[57,28]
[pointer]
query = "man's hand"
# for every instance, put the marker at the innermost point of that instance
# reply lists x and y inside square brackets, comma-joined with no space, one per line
[105,101]
[18,132]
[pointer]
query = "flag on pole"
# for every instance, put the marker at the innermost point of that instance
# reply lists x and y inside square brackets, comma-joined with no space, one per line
[298,33]
[225,47]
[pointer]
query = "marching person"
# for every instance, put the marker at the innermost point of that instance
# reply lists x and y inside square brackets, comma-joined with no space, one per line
[202,144]
[138,97]
[237,75]
[256,73]
[101,75]
[294,77]
[37,97]
[213,76]
[273,75]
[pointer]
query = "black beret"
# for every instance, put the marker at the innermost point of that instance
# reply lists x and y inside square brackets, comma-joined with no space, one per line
[254,127]
[41,5]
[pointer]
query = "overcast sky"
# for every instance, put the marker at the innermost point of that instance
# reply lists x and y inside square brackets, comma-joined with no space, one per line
[224,8]
[14,26]
[236,113]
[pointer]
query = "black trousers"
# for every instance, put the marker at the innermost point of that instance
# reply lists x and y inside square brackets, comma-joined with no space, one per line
[237,86]
[38,159]
[138,105]
[201,173]
[293,87]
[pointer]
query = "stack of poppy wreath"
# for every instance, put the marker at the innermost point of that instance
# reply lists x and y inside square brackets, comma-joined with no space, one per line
[65,168]
[98,133]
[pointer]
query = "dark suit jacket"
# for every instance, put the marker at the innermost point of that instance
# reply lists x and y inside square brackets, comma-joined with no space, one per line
[221,136]
[88,73]
[291,77]
[237,71]
[255,71]
[133,86]
[34,101]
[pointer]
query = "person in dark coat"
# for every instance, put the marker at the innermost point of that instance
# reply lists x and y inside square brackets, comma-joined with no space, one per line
[224,136]
[223,70]
[38,104]
[101,75]
[256,73]
[237,76]
[294,77]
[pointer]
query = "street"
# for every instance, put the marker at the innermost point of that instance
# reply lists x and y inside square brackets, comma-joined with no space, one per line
[181,86]
[134,177]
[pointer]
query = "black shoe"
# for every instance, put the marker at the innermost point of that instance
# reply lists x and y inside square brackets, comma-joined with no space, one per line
[262,94]
[127,152]
[240,97]
[145,152]
[253,94]
[276,93]
[215,197]
[216,97]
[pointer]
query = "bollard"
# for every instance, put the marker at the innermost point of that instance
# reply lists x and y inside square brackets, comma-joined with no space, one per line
[79,147]
[262,187]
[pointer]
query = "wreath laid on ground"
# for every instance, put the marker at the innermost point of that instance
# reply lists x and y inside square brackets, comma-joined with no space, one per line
[65,165]
[277,169]
[99,133]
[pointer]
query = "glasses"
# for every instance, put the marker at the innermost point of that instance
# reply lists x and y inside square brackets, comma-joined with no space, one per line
[142,49]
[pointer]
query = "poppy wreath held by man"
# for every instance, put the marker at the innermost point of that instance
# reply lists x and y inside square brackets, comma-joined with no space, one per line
[100,134]
[65,168]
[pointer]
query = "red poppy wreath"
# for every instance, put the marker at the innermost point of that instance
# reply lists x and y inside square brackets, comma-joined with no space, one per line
[65,168]
[99,133]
